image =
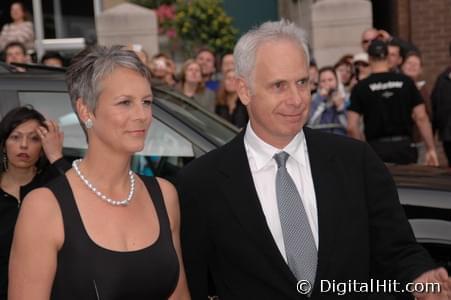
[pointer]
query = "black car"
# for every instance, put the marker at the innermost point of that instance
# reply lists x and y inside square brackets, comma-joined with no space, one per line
[180,130]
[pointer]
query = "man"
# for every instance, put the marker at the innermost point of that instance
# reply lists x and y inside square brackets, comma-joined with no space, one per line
[15,52]
[206,59]
[395,56]
[258,228]
[368,35]
[52,59]
[389,104]
[441,108]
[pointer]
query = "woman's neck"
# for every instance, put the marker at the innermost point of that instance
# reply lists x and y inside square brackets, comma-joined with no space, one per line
[20,176]
[189,89]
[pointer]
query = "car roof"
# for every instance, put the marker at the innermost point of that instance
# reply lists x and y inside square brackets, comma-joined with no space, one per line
[422,177]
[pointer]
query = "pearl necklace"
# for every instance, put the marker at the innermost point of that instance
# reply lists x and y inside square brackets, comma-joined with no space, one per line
[125,202]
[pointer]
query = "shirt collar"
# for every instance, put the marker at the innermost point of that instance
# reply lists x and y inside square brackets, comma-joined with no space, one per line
[263,153]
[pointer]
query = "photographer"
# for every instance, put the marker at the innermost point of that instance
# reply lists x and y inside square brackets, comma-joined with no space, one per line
[328,108]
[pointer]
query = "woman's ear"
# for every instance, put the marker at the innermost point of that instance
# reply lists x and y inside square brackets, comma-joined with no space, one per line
[82,110]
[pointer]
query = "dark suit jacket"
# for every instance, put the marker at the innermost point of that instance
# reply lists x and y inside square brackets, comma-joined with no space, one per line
[363,231]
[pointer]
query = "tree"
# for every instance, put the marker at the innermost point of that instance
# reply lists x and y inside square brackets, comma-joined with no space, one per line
[205,23]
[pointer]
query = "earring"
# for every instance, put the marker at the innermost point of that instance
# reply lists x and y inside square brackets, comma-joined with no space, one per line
[88,123]
[5,161]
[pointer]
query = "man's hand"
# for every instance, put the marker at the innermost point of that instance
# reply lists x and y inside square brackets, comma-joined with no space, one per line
[431,158]
[52,140]
[439,276]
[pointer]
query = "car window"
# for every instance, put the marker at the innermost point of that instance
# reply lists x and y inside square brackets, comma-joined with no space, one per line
[211,126]
[161,140]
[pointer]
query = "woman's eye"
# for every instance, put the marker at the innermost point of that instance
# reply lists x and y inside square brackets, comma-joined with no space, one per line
[147,102]
[125,102]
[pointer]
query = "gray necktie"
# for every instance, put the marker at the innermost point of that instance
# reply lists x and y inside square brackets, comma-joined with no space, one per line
[300,248]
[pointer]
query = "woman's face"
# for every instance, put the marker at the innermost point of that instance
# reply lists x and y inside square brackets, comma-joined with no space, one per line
[412,67]
[345,73]
[193,73]
[23,146]
[230,82]
[327,81]
[123,113]
[17,13]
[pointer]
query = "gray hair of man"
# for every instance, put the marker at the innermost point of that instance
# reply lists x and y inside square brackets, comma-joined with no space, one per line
[90,67]
[245,50]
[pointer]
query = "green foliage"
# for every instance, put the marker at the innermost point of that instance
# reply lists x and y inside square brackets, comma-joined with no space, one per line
[205,23]
[152,4]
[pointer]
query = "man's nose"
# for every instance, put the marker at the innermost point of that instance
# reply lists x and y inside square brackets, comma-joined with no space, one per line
[295,95]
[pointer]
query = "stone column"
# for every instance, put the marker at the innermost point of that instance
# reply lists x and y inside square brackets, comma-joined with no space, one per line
[337,26]
[334,27]
[128,23]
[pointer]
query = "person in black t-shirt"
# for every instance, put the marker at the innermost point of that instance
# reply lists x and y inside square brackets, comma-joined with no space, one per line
[389,104]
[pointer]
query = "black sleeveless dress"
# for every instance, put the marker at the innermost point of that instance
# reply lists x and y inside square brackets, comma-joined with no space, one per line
[87,271]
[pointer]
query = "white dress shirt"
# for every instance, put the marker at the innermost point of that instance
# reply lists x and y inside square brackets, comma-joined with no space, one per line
[264,169]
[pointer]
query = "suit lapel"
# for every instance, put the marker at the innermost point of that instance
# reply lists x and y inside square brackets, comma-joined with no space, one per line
[326,178]
[239,190]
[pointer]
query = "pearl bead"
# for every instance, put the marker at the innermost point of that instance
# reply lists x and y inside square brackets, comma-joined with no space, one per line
[123,202]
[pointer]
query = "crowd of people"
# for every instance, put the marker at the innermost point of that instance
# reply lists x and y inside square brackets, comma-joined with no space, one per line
[255,216]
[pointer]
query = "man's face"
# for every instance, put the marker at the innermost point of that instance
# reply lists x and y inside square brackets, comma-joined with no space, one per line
[394,57]
[206,60]
[15,54]
[367,37]
[279,100]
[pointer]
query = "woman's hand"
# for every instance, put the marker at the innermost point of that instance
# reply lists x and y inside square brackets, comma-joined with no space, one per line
[52,140]
[338,100]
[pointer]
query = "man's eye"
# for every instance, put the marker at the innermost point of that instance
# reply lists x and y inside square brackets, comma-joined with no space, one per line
[302,82]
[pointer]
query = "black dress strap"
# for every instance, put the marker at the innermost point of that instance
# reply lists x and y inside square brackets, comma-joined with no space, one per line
[156,195]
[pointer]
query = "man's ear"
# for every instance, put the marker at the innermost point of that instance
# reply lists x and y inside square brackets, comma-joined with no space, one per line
[243,91]
[82,110]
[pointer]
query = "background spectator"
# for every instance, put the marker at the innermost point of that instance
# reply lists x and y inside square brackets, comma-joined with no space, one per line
[412,67]
[228,105]
[328,104]
[15,52]
[28,143]
[192,86]
[53,59]
[361,66]
[345,72]
[227,63]
[441,108]
[389,104]
[20,29]
[395,56]
[313,77]
[206,60]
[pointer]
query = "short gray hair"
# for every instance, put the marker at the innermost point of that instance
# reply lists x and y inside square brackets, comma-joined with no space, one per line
[246,48]
[89,67]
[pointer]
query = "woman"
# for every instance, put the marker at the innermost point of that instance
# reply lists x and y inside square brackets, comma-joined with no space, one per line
[192,86]
[105,233]
[27,141]
[228,105]
[344,70]
[328,108]
[20,29]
